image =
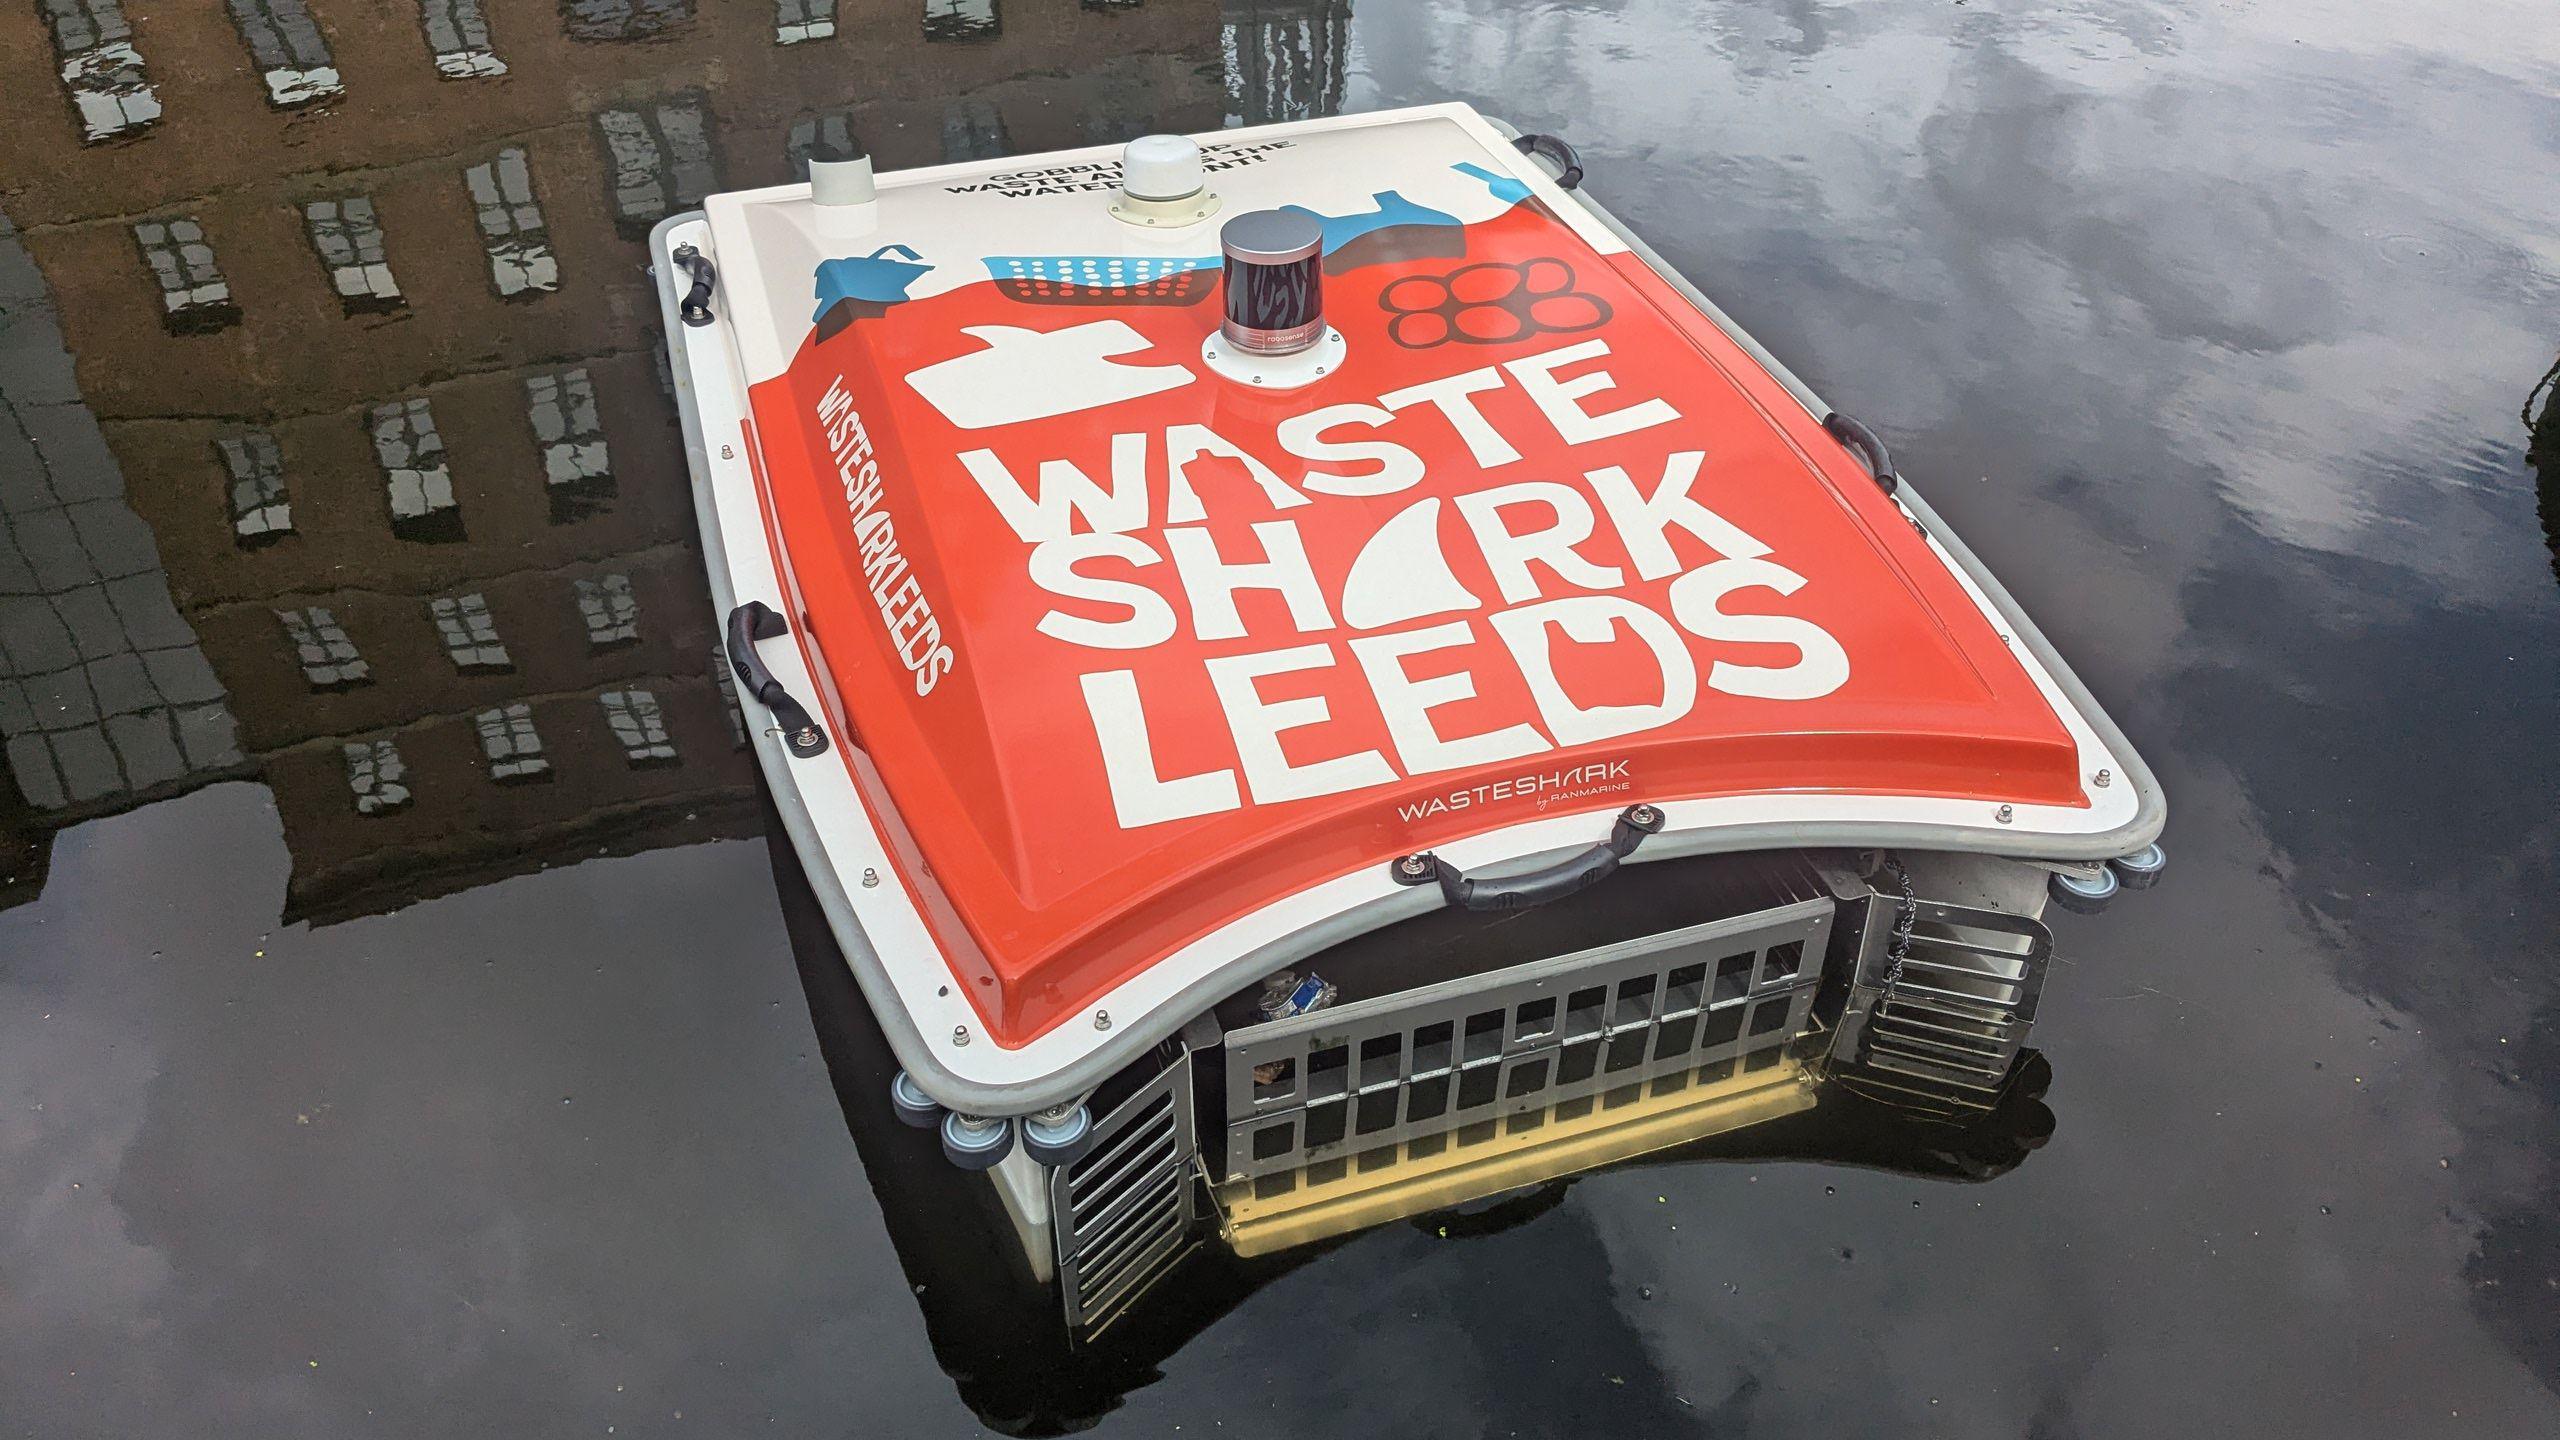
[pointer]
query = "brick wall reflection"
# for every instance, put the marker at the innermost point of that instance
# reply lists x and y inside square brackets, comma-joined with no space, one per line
[361,329]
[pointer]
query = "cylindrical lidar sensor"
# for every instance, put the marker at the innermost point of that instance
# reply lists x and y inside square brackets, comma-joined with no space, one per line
[1274,281]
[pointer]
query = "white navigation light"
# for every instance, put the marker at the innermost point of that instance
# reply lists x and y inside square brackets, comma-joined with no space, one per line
[1161,167]
[1163,183]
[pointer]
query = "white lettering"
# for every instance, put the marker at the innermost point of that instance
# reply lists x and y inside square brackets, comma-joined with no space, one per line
[1053,568]
[1186,443]
[1138,795]
[1641,519]
[1821,665]
[1303,436]
[1559,400]
[1508,553]
[1449,397]
[1067,492]
[1407,703]
[1211,581]
[1593,620]
[1259,723]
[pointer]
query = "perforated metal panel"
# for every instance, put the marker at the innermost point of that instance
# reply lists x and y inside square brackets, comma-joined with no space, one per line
[1125,1214]
[1403,1076]
[1943,1033]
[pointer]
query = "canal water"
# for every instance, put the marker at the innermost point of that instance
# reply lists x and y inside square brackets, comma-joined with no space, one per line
[408,1028]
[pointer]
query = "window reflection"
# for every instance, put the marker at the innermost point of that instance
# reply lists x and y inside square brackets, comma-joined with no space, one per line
[797,20]
[609,20]
[639,726]
[576,471]
[507,737]
[100,67]
[349,240]
[193,295]
[660,160]
[413,471]
[611,611]
[470,636]
[827,136]
[376,777]
[328,658]
[972,130]
[260,509]
[291,54]
[458,36]
[961,20]
[723,677]
[511,226]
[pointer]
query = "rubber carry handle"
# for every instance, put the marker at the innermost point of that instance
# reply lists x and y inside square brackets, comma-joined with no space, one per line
[1849,432]
[695,308]
[1551,882]
[1556,148]
[748,624]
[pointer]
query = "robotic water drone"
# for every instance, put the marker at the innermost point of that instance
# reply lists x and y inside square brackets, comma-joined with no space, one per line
[1315,679]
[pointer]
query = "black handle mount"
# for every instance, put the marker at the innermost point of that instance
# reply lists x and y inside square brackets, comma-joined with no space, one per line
[1849,432]
[752,622]
[695,308]
[1568,161]
[1536,887]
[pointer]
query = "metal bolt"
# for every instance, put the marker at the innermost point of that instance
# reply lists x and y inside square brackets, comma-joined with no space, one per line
[1101,1019]
[2005,814]
[1644,815]
[870,879]
[2103,778]
[1414,865]
[959,1034]
[807,736]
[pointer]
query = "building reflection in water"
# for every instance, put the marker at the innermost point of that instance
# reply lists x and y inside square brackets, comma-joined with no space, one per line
[334,423]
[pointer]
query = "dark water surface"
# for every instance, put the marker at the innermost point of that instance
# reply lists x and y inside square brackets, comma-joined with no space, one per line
[466,1085]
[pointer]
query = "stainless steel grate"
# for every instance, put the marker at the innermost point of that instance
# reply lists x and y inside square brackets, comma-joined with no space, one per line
[1944,1033]
[1407,1076]
[1124,1214]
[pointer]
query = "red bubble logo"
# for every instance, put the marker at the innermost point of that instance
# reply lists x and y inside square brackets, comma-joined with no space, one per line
[1489,303]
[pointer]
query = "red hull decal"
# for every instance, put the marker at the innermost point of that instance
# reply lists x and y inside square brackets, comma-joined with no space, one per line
[1124,650]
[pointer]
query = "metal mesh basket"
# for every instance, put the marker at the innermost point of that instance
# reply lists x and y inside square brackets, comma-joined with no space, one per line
[1397,1077]
[1103,279]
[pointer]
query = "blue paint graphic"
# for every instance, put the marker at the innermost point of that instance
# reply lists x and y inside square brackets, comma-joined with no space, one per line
[875,277]
[1393,209]
[1096,270]
[1508,189]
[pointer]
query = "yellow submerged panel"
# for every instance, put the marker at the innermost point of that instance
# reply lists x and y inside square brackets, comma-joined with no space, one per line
[1508,1161]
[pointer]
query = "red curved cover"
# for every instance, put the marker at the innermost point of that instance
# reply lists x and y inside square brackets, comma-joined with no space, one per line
[1826,647]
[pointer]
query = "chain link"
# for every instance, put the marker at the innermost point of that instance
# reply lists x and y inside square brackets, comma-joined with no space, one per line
[1900,950]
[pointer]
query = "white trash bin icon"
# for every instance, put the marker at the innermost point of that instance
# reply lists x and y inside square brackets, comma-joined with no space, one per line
[1034,374]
